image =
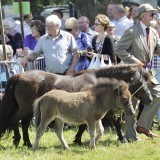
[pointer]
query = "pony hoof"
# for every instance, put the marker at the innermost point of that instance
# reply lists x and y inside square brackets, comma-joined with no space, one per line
[28,144]
[92,148]
[79,143]
[15,142]
[123,140]
[66,148]
[34,148]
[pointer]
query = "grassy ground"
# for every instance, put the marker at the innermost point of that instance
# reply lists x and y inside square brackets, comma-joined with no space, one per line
[107,149]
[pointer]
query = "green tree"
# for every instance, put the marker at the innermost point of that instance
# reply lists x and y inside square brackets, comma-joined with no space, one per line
[91,8]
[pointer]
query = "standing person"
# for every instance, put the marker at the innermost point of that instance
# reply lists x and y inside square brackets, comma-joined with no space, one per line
[26,25]
[38,30]
[110,12]
[156,66]
[30,41]
[134,47]
[82,40]
[84,27]
[102,43]
[59,48]
[59,13]
[14,38]
[123,23]
[134,14]
[111,31]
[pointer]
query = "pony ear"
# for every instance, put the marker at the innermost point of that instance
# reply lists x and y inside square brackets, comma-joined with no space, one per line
[120,88]
[116,90]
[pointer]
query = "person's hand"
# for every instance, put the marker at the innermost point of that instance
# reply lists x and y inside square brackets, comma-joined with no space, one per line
[69,72]
[84,52]
[24,61]
[90,54]
[143,64]
[25,52]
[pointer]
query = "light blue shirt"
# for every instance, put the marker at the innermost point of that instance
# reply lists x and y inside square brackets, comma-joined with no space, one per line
[57,51]
[122,25]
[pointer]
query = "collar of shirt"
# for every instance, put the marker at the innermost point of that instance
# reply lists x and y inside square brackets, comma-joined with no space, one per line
[26,25]
[79,35]
[113,21]
[89,31]
[122,18]
[61,34]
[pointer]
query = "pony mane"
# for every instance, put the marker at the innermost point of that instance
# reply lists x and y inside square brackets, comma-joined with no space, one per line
[118,85]
[117,70]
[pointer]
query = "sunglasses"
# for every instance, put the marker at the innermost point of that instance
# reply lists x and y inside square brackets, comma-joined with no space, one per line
[68,29]
[97,24]
[153,14]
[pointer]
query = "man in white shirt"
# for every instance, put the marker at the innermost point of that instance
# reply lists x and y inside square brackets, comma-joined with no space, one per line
[110,12]
[123,23]
[26,25]
[58,47]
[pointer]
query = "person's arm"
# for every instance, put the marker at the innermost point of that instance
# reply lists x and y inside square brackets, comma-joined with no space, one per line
[28,58]
[91,54]
[75,56]
[74,62]
[36,53]
[108,49]
[122,47]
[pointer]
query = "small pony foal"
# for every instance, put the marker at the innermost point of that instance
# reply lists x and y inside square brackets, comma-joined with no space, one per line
[85,107]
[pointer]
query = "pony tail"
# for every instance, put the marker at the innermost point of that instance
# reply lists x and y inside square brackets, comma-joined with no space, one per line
[37,112]
[8,106]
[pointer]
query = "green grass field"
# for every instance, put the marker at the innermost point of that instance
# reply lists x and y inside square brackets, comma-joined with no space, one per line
[108,148]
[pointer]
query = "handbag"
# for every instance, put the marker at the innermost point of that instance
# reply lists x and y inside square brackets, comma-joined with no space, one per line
[98,62]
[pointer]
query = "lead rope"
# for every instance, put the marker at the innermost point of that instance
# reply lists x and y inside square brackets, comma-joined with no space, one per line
[122,110]
[144,84]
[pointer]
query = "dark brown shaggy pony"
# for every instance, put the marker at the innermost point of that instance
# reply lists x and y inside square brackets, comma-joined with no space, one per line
[22,90]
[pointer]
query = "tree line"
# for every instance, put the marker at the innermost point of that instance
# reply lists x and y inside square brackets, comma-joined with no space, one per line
[89,8]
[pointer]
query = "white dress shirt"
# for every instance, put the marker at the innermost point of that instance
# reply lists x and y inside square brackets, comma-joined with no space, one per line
[26,27]
[122,25]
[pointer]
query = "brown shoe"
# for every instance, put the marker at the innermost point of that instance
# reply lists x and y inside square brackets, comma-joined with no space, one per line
[145,131]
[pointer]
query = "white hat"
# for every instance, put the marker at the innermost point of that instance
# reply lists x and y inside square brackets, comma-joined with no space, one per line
[111,25]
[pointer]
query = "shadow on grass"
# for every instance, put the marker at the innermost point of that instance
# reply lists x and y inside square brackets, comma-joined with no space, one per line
[109,142]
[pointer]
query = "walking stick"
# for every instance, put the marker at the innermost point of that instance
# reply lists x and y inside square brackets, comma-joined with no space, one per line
[21,19]
[3,42]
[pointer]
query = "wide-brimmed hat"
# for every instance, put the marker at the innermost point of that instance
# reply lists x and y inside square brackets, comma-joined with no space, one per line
[146,8]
